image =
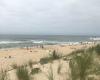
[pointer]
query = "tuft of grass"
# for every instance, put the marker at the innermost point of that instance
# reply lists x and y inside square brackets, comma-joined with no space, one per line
[55,55]
[30,63]
[50,74]
[74,53]
[97,49]
[45,60]
[80,51]
[74,74]
[14,66]
[82,63]
[91,78]
[96,69]
[22,73]
[59,67]
[3,75]
[35,71]
[90,49]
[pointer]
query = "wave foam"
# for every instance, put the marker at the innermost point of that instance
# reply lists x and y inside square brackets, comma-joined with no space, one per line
[9,42]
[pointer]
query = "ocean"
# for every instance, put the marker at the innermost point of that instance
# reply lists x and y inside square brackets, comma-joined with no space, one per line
[10,41]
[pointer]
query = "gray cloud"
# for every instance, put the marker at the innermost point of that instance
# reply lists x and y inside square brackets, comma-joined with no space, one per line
[50,16]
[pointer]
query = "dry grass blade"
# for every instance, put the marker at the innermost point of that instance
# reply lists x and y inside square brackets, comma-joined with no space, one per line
[50,74]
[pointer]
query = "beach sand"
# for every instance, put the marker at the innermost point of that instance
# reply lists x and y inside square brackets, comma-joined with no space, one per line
[21,56]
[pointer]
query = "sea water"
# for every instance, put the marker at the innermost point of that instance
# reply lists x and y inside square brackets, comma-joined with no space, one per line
[10,41]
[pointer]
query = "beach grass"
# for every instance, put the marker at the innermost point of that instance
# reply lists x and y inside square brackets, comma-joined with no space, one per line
[3,75]
[82,62]
[59,67]
[14,66]
[53,56]
[45,60]
[73,70]
[97,49]
[35,71]
[30,63]
[50,75]
[22,73]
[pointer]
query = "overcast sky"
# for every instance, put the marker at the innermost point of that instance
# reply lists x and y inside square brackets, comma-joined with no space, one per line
[50,17]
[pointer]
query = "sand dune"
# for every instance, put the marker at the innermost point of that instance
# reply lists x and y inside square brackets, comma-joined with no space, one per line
[21,56]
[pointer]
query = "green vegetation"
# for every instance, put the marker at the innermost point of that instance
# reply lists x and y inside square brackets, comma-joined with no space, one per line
[50,58]
[74,53]
[55,55]
[14,66]
[35,71]
[74,73]
[84,63]
[22,73]
[30,63]
[97,49]
[45,60]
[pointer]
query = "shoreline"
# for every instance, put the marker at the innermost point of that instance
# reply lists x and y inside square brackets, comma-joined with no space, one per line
[46,44]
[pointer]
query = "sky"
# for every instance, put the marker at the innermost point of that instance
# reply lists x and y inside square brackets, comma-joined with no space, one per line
[50,17]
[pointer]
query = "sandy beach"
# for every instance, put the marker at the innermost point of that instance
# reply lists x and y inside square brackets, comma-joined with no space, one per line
[21,56]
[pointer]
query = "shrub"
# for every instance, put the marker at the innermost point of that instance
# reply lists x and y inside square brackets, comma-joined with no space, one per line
[22,73]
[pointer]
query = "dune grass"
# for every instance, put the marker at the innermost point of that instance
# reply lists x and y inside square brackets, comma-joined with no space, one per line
[74,73]
[22,73]
[53,56]
[30,63]
[97,49]
[50,74]
[3,75]
[14,66]
[45,60]
[59,67]
[82,63]
[35,71]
